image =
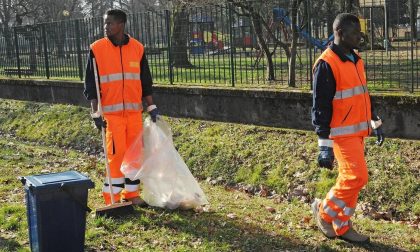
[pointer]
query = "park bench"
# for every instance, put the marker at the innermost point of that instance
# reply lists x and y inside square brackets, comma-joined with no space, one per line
[15,71]
[153,50]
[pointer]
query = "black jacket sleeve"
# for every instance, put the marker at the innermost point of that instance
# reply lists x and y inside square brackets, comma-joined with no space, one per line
[146,77]
[90,86]
[323,94]
[373,111]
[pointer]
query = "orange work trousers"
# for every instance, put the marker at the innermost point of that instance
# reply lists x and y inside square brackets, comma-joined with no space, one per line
[122,130]
[340,203]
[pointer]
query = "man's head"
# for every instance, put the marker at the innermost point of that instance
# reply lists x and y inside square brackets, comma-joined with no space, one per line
[347,30]
[114,23]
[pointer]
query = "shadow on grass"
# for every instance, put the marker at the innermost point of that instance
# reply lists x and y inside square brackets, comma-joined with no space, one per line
[221,231]
[376,246]
[7,244]
[236,234]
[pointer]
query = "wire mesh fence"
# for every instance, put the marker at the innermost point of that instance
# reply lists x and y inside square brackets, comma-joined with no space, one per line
[219,45]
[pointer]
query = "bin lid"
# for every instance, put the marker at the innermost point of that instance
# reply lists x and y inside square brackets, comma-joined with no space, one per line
[51,181]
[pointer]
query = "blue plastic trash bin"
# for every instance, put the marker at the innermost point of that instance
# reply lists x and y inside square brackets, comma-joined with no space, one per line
[197,46]
[56,205]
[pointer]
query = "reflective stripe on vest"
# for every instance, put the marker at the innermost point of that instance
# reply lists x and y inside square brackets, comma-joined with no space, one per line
[119,73]
[347,93]
[122,106]
[351,109]
[345,130]
[119,76]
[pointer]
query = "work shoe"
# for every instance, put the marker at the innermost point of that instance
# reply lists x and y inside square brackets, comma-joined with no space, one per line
[137,201]
[325,227]
[354,237]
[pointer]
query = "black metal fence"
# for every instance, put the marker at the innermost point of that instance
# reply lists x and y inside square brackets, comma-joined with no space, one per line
[216,45]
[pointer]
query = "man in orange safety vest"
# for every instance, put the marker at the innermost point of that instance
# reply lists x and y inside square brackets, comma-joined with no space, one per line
[125,80]
[343,117]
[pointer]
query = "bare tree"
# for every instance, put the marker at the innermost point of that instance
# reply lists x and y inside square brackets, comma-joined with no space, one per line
[180,37]
[413,7]
[12,13]
[294,5]
[29,9]
[258,23]
[259,20]
[6,14]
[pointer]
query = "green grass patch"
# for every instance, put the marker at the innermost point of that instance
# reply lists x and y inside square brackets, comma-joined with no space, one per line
[42,138]
[281,159]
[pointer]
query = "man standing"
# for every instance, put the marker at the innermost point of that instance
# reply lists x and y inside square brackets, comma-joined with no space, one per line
[124,78]
[341,114]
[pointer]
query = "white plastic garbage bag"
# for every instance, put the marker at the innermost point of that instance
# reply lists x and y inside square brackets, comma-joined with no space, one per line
[167,181]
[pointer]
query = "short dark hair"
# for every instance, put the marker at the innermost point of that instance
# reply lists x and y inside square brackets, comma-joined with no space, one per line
[119,15]
[343,20]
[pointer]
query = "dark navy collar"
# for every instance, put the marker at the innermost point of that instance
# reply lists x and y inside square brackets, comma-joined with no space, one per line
[337,50]
[124,42]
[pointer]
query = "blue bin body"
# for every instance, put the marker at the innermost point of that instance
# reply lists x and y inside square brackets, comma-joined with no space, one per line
[56,206]
[197,46]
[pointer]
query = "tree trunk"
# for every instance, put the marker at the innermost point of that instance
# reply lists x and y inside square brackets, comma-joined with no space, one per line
[413,11]
[59,42]
[257,26]
[28,33]
[349,6]
[330,17]
[293,47]
[346,6]
[180,38]
[32,50]
[8,36]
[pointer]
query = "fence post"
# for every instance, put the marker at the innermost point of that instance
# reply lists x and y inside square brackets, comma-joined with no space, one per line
[386,39]
[168,38]
[308,11]
[372,35]
[79,50]
[232,66]
[413,40]
[17,51]
[44,42]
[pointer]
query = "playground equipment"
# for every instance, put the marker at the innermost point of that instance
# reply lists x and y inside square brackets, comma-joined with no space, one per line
[280,15]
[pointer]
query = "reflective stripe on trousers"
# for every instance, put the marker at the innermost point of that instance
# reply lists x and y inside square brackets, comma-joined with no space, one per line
[121,132]
[340,203]
[117,185]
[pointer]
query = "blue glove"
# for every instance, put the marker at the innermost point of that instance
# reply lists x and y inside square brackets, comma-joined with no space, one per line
[153,112]
[326,154]
[376,124]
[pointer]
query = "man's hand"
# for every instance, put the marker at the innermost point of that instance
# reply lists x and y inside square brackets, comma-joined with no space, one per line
[153,112]
[376,124]
[326,154]
[99,122]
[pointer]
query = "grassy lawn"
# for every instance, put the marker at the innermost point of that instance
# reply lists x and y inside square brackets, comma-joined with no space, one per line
[385,70]
[259,181]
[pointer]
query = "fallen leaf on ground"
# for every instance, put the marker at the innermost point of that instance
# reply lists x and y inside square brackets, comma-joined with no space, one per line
[231,216]
[270,209]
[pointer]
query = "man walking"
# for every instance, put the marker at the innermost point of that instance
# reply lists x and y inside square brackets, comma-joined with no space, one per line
[342,117]
[125,79]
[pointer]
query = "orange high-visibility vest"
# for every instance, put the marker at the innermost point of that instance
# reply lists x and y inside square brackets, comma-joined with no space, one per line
[351,104]
[119,75]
